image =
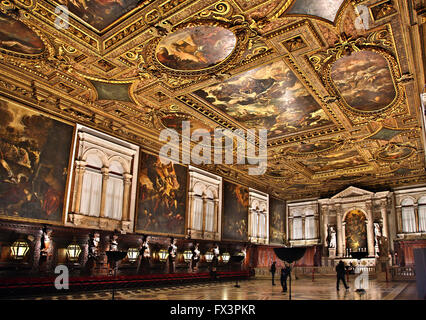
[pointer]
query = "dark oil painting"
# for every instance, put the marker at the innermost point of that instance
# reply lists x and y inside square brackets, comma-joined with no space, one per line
[100,13]
[364,81]
[235,214]
[276,221]
[34,153]
[162,196]
[269,97]
[17,37]
[335,161]
[356,233]
[196,48]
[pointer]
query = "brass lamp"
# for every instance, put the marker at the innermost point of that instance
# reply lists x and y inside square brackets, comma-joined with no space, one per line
[209,256]
[163,254]
[187,255]
[225,257]
[73,251]
[19,249]
[132,254]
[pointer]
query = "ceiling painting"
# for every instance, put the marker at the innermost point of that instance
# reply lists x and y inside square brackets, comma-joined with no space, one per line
[339,98]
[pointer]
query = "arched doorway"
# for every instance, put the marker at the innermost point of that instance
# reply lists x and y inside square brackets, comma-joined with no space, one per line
[356,230]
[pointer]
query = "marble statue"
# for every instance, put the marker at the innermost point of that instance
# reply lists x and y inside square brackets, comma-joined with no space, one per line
[332,241]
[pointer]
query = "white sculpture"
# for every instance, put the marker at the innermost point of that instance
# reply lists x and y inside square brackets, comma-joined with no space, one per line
[332,242]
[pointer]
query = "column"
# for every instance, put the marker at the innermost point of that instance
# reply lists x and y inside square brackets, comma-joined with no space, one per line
[324,234]
[290,228]
[105,176]
[80,168]
[370,230]
[317,228]
[204,214]
[190,211]
[383,212]
[416,216]
[303,227]
[126,196]
[344,238]
[216,229]
[399,219]
[339,232]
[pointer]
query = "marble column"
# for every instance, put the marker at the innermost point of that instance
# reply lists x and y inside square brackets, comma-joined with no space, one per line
[370,230]
[384,214]
[416,216]
[303,226]
[324,233]
[290,228]
[190,212]
[344,238]
[216,219]
[80,168]
[105,176]
[317,226]
[339,232]
[126,196]
[399,219]
[203,225]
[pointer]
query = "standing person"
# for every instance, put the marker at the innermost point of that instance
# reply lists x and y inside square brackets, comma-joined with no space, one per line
[285,272]
[340,269]
[195,257]
[273,269]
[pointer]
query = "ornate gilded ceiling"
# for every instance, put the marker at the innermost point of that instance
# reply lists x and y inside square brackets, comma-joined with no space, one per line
[337,83]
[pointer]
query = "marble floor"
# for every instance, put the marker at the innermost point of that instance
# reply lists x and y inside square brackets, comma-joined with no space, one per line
[261,289]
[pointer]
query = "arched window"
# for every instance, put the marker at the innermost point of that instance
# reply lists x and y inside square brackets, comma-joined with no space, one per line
[92,186]
[209,211]
[297,227]
[114,191]
[197,209]
[408,216]
[310,228]
[422,214]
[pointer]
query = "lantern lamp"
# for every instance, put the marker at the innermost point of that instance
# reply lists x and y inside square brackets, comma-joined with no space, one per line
[132,254]
[209,256]
[163,253]
[225,257]
[19,249]
[187,255]
[73,252]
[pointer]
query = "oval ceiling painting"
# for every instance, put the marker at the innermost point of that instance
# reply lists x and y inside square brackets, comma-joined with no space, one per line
[364,81]
[394,152]
[196,48]
[305,148]
[15,36]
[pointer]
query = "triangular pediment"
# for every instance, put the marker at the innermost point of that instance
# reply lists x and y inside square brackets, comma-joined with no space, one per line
[352,192]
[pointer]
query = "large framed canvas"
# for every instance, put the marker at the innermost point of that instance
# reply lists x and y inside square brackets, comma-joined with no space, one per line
[277,225]
[162,197]
[235,215]
[34,164]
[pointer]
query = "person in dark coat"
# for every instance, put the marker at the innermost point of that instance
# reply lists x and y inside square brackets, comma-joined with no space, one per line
[341,272]
[285,272]
[273,270]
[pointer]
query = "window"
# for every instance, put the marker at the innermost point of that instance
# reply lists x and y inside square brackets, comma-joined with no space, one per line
[422,214]
[92,187]
[408,216]
[114,192]
[297,228]
[258,217]
[203,218]
[310,228]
